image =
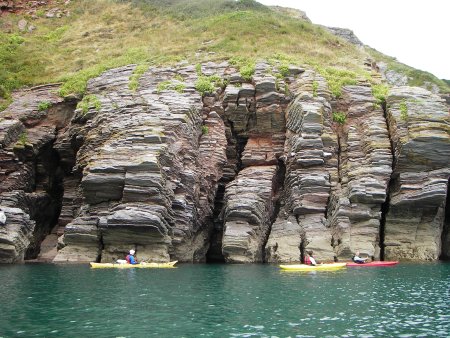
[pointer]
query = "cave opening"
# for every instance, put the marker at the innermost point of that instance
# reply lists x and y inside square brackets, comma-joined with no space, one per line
[214,253]
[445,251]
[45,203]
[236,146]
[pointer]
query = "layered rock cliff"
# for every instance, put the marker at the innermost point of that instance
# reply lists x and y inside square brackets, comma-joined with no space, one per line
[419,125]
[256,171]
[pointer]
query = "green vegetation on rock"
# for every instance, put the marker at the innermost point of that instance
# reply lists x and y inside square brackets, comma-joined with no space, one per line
[315,87]
[337,78]
[284,70]
[339,117]
[246,66]
[44,105]
[403,110]
[169,85]
[204,85]
[379,92]
[104,34]
[22,141]
[137,73]
[89,101]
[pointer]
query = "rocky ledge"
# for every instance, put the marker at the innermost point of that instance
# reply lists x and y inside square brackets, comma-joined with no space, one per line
[254,171]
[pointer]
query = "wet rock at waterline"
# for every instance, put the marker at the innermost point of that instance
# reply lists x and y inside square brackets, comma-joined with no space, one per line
[257,171]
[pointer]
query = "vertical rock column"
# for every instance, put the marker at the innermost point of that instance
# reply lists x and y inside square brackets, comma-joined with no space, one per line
[29,170]
[250,200]
[247,214]
[256,114]
[208,171]
[364,173]
[419,127]
[311,169]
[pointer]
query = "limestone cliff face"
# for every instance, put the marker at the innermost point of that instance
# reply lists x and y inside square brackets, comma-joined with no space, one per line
[256,171]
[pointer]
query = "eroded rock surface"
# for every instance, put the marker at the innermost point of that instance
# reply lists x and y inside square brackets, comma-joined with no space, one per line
[365,166]
[247,214]
[149,173]
[420,126]
[254,171]
[30,174]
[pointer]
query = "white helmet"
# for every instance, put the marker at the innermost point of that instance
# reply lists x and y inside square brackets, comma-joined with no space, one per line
[132,252]
[2,218]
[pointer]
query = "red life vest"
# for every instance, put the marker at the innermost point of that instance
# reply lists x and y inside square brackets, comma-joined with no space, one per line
[307,260]
[128,259]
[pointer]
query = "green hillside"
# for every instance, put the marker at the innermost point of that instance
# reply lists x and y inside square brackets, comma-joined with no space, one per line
[104,34]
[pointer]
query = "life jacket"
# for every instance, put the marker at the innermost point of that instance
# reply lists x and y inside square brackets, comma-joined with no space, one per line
[128,259]
[307,260]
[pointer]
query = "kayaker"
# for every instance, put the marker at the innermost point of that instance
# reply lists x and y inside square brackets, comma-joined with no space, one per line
[130,257]
[309,259]
[2,218]
[357,259]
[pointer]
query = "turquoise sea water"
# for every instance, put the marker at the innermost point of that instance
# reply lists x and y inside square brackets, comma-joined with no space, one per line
[408,300]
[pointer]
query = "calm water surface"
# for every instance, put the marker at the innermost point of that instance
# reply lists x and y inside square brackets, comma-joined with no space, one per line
[408,300]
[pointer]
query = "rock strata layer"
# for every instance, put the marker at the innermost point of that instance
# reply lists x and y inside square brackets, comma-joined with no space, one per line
[365,166]
[30,174]
[253,171]
[420,128]
[247,214]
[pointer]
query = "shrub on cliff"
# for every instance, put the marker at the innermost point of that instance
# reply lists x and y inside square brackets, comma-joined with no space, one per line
[339,117]
[204,85]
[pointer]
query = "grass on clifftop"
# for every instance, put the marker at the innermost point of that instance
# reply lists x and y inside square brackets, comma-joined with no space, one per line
[104,34]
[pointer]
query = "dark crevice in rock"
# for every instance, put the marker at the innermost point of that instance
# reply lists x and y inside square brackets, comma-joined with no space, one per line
[101,247]
[240,146]
[50,173]
[384,212]
[338,160]
[48,181]
[302,247]
[214,254]
[445,251]
[391,183]
[278,189]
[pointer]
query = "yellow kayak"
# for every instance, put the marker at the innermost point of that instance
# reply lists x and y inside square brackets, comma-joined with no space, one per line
[304,267]
[129,266]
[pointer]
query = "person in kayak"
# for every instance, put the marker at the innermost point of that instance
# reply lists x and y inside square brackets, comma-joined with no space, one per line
[130,257]
[357,259]
[309,259]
